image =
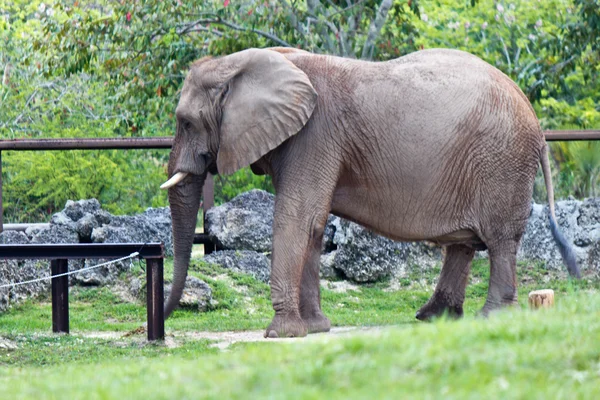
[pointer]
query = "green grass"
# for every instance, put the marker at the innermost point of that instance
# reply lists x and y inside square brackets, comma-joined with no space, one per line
[513,354]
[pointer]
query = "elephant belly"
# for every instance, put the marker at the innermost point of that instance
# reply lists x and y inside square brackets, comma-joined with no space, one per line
[401,217]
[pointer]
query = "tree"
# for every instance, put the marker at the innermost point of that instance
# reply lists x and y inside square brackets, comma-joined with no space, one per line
[140,51]
[143,49]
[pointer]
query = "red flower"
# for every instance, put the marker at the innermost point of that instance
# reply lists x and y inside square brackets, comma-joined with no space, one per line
[128,16]
[225,3]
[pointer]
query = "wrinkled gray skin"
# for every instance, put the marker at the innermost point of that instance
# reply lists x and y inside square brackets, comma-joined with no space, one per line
[437,145]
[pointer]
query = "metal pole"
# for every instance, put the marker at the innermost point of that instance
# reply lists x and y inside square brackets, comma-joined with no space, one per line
[1,208]
[556,135]
[155,299]
[60,296]
[87,144]
[208,201]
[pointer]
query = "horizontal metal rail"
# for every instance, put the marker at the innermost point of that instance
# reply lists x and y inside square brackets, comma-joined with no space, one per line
[199,238]
[79,250]
[559,136]
[23,227]
[86,144]
[59,254]
[167,142]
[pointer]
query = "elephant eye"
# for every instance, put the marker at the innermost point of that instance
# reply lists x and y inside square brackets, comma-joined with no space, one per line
[186,125]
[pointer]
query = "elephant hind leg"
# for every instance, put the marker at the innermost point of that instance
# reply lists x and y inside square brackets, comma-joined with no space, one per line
[502,290]
[310,290]
[449,294]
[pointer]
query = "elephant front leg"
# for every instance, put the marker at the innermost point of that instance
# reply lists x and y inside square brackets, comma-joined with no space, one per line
[297,225]
[310,290]
[449,294]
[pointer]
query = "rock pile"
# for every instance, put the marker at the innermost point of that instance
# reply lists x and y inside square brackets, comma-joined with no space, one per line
[12,271]
[357,254]
[349,250]
[243,229]
[81,221]
[580,223]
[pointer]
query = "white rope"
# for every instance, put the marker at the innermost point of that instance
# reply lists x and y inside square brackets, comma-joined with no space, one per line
[132,255]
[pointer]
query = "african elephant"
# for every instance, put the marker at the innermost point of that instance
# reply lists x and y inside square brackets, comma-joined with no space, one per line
[437,145]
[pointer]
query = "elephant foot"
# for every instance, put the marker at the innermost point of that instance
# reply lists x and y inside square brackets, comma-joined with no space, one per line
[489,307]
[286,326]
[438,306]
[317,322]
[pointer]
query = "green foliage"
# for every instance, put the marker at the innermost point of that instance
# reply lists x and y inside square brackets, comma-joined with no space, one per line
[123,183]
[37,184]
[535,44]
[579,168]
[114,68]
[37,106]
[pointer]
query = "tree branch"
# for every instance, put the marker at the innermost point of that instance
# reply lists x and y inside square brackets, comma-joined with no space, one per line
[218,21]
[258,32]
[202,29]
[375,29]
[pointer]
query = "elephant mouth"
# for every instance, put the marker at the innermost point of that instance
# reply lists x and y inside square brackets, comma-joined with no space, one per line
[212,168]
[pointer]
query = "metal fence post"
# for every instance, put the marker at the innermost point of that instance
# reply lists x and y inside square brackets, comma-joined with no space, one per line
[1,207]
[60,296]
[155,298]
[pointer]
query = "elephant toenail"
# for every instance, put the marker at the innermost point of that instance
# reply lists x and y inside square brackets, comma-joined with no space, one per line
[272,335]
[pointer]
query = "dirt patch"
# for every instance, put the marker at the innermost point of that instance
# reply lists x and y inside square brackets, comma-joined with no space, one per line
[225,339]
[222,340]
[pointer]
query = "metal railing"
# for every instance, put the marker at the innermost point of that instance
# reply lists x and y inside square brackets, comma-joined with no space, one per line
[59,254]
[103,144]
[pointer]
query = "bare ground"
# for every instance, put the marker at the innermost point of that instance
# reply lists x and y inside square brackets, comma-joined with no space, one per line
[223,340]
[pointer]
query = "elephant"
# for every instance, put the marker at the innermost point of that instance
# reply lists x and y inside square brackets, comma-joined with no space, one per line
[436,145]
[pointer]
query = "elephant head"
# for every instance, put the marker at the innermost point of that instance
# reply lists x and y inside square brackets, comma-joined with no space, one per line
[232,111]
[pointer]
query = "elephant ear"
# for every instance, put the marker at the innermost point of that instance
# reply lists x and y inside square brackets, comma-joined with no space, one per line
[267,100]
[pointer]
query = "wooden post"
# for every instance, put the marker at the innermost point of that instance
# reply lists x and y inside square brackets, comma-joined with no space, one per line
[155,299]
[541,299]
[60,296]
[208,201]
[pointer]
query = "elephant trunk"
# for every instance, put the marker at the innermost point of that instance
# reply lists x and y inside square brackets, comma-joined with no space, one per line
[184,201]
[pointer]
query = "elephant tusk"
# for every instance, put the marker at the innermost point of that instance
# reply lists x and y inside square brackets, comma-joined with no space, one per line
[175,179]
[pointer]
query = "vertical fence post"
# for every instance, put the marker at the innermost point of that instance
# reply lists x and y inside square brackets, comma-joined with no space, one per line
[1,208]
[208,201]
[60,296]
[155,299]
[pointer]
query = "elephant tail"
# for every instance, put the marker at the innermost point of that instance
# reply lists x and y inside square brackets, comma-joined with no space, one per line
[566,250]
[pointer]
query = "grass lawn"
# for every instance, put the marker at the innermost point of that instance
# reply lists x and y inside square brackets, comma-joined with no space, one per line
[513,354]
